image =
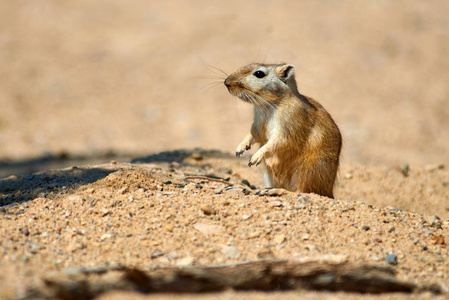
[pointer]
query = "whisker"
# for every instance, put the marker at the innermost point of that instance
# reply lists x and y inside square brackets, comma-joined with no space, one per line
[216,71]
[211,85]
[266,107]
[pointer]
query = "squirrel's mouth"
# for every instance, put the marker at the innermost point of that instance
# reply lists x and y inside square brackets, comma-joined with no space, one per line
[236,88]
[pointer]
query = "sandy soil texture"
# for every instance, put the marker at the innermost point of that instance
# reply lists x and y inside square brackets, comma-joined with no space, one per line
[97,98]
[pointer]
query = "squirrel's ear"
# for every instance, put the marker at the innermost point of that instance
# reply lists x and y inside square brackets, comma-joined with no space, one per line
[284,72]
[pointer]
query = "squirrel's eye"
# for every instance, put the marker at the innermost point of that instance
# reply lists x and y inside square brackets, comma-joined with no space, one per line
[259,74]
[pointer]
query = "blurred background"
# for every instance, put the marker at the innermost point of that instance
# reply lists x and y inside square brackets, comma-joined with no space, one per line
[87,78]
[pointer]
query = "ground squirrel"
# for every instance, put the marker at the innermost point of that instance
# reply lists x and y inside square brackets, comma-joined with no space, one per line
[299,141]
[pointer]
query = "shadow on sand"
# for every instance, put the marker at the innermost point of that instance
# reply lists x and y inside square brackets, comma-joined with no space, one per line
[15,190]
[24,186]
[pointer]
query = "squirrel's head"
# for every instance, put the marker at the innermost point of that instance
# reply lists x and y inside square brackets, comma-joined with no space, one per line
[271,82]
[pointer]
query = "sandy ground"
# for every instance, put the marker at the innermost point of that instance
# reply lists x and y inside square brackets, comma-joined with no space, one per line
[83,83]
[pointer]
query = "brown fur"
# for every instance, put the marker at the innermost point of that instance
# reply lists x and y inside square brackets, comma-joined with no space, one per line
[300,143]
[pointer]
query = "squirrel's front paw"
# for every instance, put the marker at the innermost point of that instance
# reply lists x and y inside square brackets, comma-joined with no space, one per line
[241,148]
[256,159]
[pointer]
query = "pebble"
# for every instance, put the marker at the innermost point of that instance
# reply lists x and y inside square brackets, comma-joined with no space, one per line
[208,229]
[75,198]
[106,236]
[439,240]
[405,169]
[276,203]
[305,199]
[435,222]
[267,254]
[431,168]
[123,190]
[156,254]
[25,231]
[208,210]
[172,256]
[246,217]
[300,206]
[254,234]
[279,239]
[169,227]
[197,156]
[186,261]
[392,259]
[366,228]
[218,191]
[231,252]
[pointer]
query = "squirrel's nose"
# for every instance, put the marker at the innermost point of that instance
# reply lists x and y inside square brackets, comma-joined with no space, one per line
[226,82]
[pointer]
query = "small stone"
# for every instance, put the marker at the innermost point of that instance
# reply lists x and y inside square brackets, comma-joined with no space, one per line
[113,162]
[172,256]
[300,206]
[268,254]
[75,198]
[208,229]
[392,259]
[431,168]
[391,229]
[246,191]
[106,236]
[254,234]
[366,228]
[405,169]
[435,222]
[25,231]
[105,212]
[197,156]
[156,254]
[348,176]
[169,227]
[304,199]
[123,190]
[186,261]
[208,210]
[73,271]
[33,246]
[276,203]
[279,239]
[218,191]
[231,252]
[189,187]
[90,190]
[71,248]
[233,192]
[175,164]
[246,217]
[310,247]
[439,240]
